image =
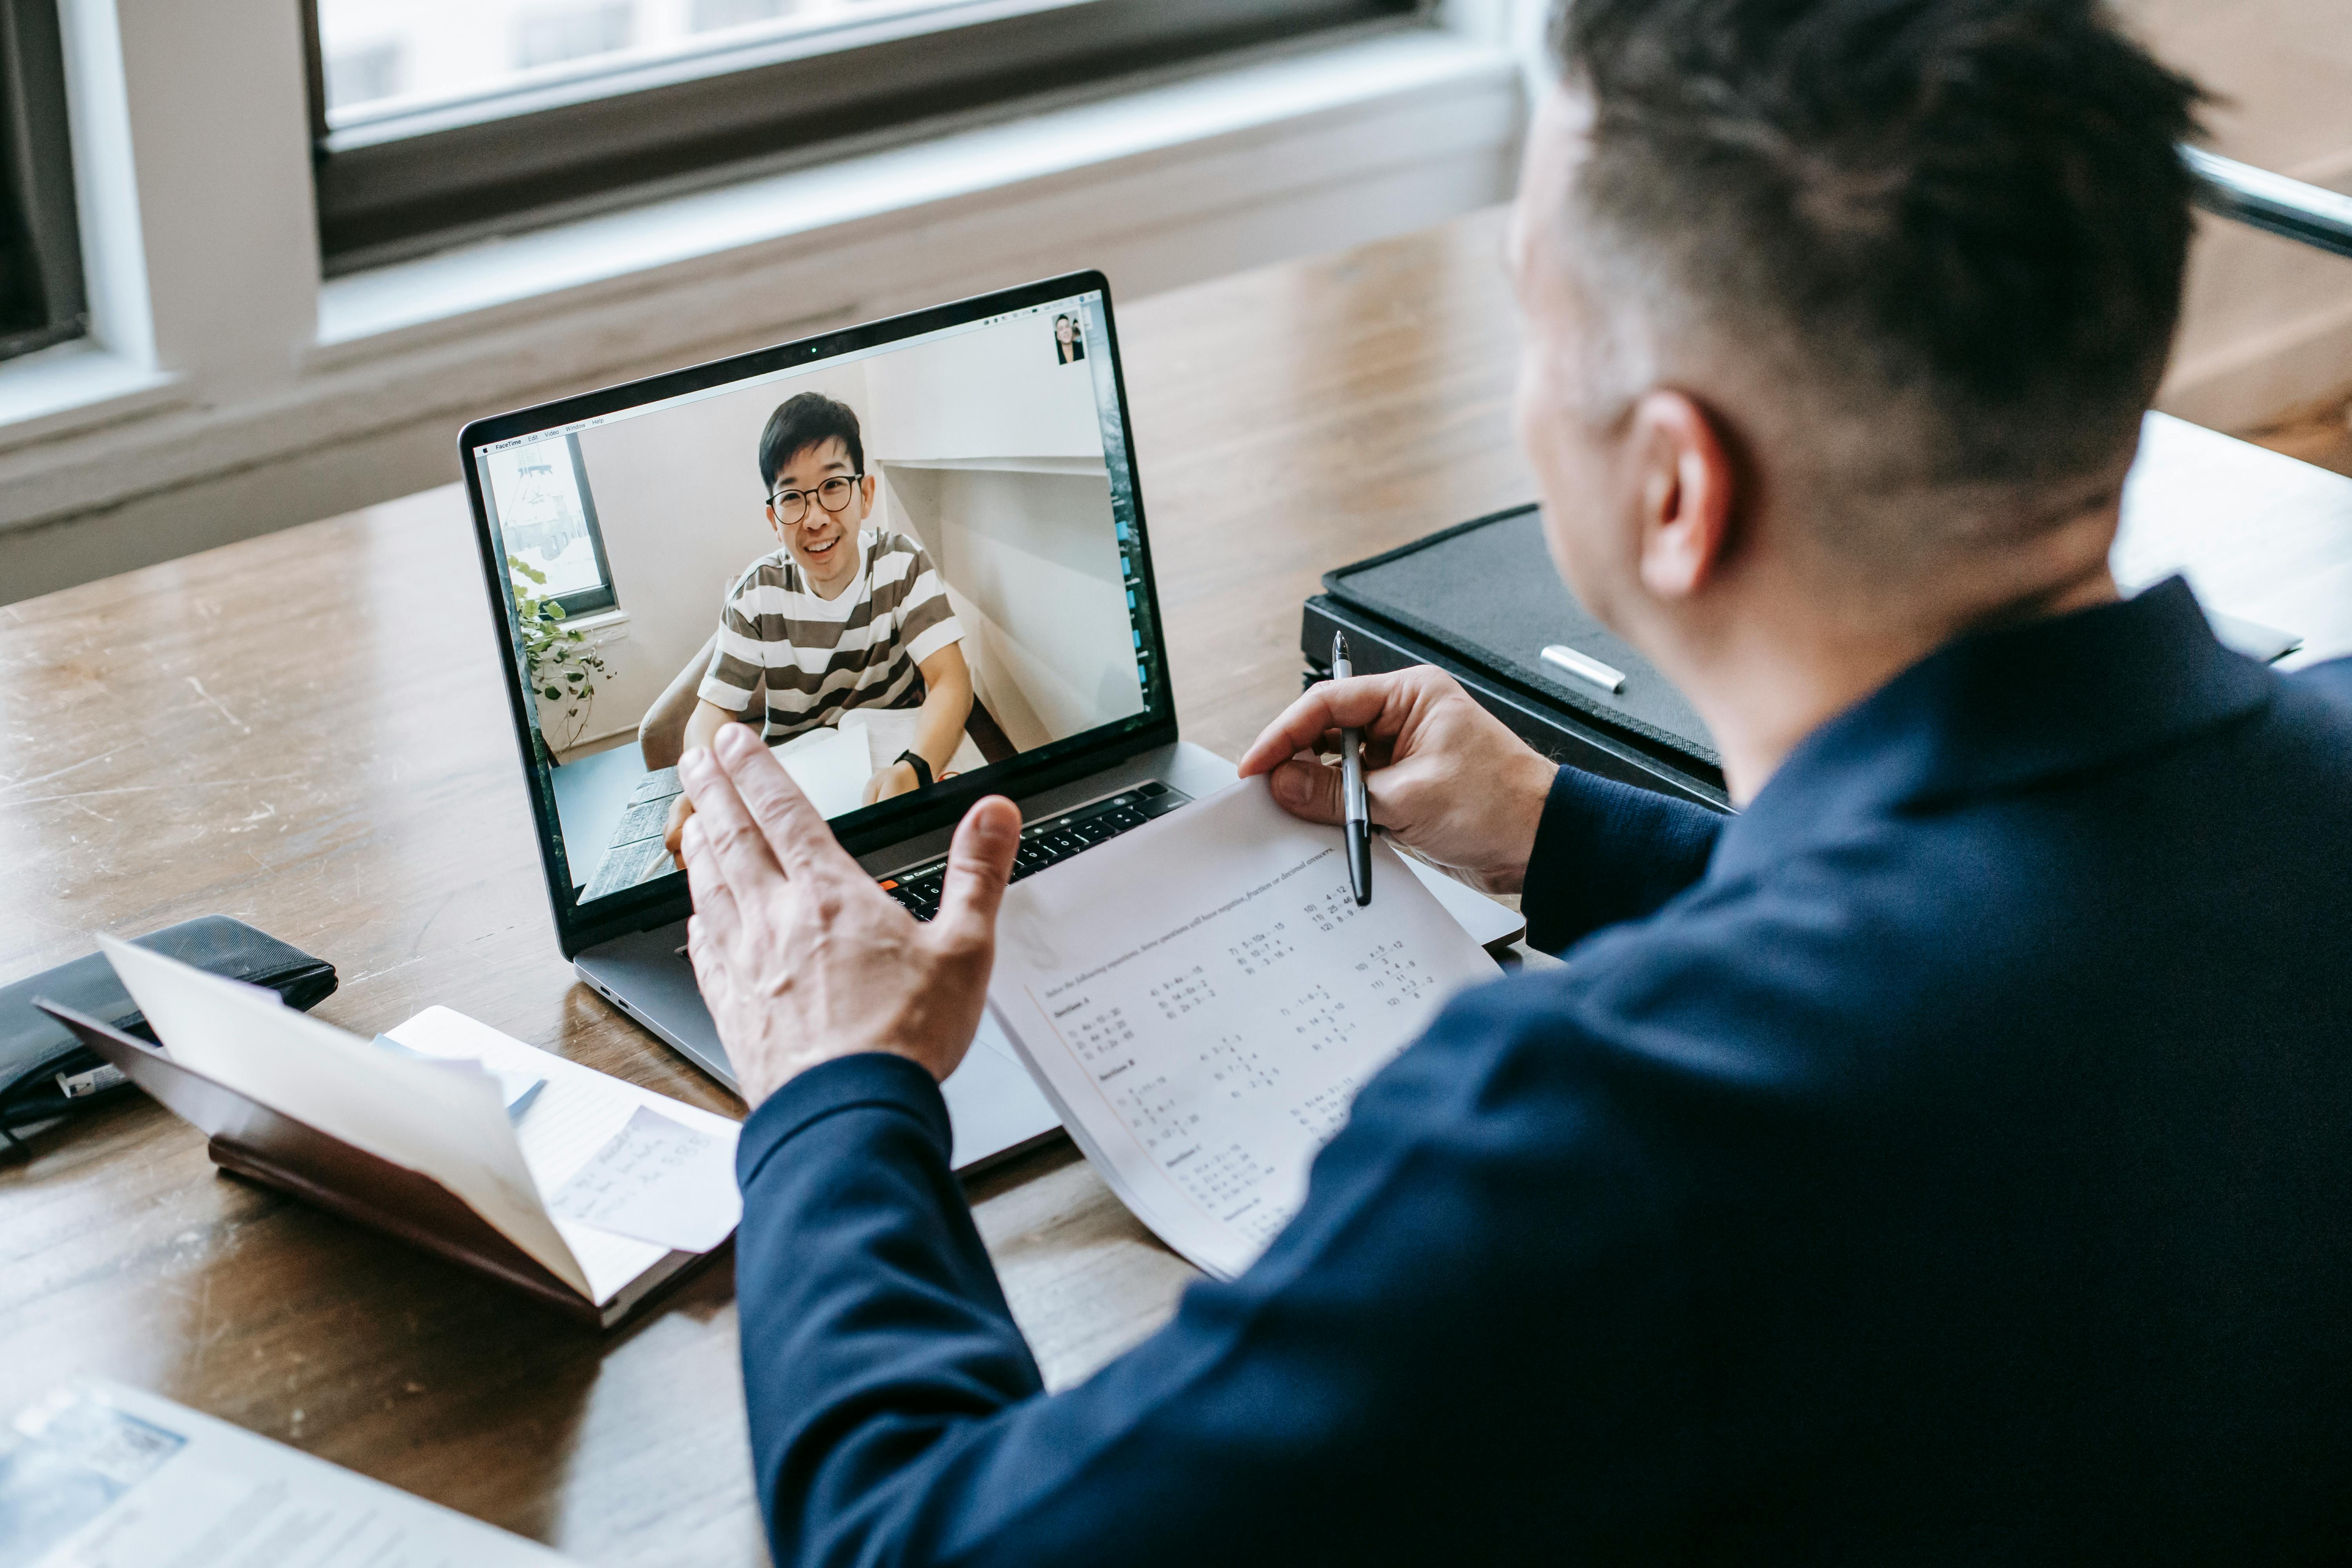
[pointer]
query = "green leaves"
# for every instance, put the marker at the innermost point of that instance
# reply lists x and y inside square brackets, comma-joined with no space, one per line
[560,664]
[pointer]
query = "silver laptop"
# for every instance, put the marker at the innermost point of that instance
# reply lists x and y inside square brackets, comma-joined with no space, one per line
[922,534]
[650,553]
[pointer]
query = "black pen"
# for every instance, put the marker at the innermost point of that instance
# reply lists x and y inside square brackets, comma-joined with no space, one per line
[1351,786]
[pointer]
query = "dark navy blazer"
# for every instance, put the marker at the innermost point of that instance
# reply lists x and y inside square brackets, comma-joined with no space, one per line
[1947,1160]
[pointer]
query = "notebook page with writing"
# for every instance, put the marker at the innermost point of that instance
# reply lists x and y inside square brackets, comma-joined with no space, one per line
[577,1114]
[1202,998]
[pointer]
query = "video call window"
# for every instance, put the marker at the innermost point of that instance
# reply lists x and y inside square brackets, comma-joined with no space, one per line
[900,566]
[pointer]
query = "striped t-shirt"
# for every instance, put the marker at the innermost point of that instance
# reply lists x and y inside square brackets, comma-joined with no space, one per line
[822,657]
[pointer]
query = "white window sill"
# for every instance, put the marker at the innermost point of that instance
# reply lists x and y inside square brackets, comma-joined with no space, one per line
[75,387]
[397,306]
[601,626]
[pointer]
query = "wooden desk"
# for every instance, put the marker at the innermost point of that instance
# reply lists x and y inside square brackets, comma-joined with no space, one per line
[307,731]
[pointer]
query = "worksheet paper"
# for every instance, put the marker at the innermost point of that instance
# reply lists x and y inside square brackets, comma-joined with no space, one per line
[1202,998]
[99,1475]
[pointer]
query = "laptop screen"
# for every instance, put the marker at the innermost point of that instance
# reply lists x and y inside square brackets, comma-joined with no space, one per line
[907,563]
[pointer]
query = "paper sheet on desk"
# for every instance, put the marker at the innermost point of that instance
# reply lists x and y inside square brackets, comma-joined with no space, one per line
[1202,998]
[831,767]
[99,1475]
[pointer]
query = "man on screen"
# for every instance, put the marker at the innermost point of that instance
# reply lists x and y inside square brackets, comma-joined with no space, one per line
[838,616]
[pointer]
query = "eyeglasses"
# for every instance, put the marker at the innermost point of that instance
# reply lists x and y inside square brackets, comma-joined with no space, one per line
[792,506]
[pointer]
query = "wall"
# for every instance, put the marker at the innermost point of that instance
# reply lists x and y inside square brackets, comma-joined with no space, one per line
[991,451]
[1000,392]
[1032,559]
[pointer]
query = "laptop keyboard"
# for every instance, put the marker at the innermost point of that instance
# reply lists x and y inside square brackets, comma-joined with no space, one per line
[1046,843]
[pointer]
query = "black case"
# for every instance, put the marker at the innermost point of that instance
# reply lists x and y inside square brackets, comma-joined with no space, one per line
[1480,600]
[36,1049]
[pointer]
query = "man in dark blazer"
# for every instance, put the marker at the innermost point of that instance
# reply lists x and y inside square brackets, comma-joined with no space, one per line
[1947,1159]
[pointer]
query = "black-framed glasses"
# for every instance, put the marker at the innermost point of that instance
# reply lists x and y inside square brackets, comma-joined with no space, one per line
[792,506]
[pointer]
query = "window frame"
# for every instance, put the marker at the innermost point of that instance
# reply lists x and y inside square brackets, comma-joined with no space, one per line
[407,183]
[602,599]
[37,179]
[604,596]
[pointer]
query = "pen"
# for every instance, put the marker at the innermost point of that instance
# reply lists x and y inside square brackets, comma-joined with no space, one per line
[1351,785]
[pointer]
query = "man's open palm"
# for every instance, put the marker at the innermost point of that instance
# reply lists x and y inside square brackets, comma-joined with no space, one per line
[799,956]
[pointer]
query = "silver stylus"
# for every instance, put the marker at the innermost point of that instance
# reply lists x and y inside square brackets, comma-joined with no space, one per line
[1351,785]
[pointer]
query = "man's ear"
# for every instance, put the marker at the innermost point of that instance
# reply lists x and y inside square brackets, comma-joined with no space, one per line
[1685,481]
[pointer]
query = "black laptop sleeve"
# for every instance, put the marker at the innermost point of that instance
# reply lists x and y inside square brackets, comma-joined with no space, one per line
[1485,593]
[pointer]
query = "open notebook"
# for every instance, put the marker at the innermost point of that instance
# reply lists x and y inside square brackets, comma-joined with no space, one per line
[589,1192]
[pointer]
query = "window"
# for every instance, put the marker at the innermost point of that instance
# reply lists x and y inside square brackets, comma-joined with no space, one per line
[547,522]
[368,72]
[442,120]
[41,299]
[550,35]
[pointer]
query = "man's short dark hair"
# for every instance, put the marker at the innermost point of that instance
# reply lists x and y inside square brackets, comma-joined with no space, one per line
[1973,209]
[803,420]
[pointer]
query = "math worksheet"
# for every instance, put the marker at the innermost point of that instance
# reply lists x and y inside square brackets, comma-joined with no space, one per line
[1202,997]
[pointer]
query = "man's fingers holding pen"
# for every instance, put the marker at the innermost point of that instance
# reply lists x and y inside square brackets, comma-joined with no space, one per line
[1447,778]
[1308,789]
[1360,703]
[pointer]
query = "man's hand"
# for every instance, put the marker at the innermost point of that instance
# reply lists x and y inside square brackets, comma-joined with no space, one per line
[1443,775]
[801,957]
[674,834]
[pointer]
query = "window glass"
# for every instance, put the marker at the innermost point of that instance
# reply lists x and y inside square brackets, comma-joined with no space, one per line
[437,121]
[41,295]
[548,521]
[397,55]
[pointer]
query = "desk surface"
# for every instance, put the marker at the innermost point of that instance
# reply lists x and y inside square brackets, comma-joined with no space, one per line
[307,731]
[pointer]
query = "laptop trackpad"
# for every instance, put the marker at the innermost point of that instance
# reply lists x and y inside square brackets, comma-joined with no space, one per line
[993,1102]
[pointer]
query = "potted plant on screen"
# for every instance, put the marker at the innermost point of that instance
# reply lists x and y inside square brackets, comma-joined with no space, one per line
[562,665]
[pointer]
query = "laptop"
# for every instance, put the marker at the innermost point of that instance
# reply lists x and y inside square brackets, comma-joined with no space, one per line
[912,554]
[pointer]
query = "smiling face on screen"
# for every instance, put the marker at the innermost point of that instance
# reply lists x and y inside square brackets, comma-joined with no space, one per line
[824,543]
